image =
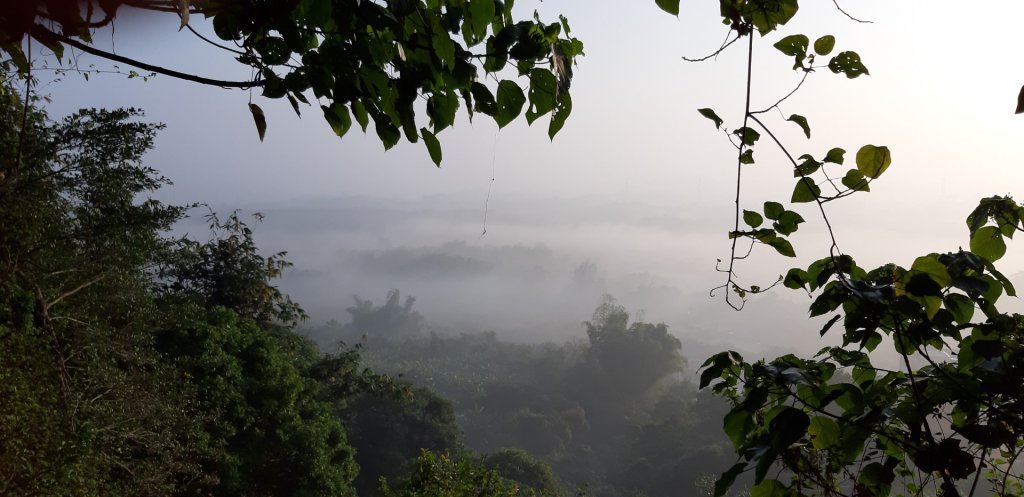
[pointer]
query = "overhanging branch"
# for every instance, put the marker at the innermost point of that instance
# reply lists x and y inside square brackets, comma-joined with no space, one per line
[43,33]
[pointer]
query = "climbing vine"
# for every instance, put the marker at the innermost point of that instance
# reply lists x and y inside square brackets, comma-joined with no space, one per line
[948,418]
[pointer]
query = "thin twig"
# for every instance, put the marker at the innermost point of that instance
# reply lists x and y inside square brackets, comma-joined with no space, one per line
[716,52]
[739,175]
[847,14]
[783,99]
[211,42]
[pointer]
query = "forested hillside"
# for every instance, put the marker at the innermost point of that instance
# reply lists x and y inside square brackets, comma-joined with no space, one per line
[134,363]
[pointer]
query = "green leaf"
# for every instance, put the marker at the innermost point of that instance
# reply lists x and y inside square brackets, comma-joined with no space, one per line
[481,12]
[960,306]
[802,122]
[872,161]
[260,119]
[443,47]
[861,375]
[747,135]
[781,245]
[359,111]
[752,219]
[726,480]
[847,63]
[936,270]
[386,131]
[484,100]
[510,102]
[835,155]
[710,114]
[988,243]
[773,210]
[767,16]
[542,94]
[716,364]
[561,113]
[788,426]
[565,24]
[769,488]
[273,50]
[807,167]
[338,117]
[747,157]
[856,181]
[824,45]
[788,222]
[670,6]
[442,107]
[735,425]
[433,146]
[1001,278]
[796,278]
[795,46]
[805,191]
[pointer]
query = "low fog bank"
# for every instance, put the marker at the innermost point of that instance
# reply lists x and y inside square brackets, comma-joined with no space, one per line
[537,273]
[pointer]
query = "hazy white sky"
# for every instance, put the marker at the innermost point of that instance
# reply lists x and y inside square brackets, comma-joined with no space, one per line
[944,80]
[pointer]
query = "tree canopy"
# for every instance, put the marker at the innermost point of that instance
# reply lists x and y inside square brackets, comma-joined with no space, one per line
[384,64]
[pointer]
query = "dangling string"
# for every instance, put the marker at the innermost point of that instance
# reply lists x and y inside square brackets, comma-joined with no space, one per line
[490,184]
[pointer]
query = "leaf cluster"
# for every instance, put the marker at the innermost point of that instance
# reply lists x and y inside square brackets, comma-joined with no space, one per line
[364,62]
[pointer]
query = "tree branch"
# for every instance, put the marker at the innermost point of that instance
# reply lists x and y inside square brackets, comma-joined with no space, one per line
[847,14]
[75,290]
[43,33]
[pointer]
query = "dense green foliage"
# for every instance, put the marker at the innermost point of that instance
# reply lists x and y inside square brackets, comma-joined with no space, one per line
[945,419]
[359,61]
[442,475]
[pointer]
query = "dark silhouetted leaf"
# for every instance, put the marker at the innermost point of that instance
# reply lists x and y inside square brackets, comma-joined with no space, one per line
[829,324]
[752,219]
[802,122]
[847,63]
[856,181]
[433,146]
[560,114]
[747,135]
[509,103]
[773,210]
[805,191]
[260,119]
[670,6]
[710,114]
[835,155]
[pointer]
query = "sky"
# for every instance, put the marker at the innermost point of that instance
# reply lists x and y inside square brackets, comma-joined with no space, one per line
[636,182]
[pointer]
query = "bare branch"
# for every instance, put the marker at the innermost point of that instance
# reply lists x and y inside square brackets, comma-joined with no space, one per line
[75,290]
[847,14]
[716,52]
[44,33]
